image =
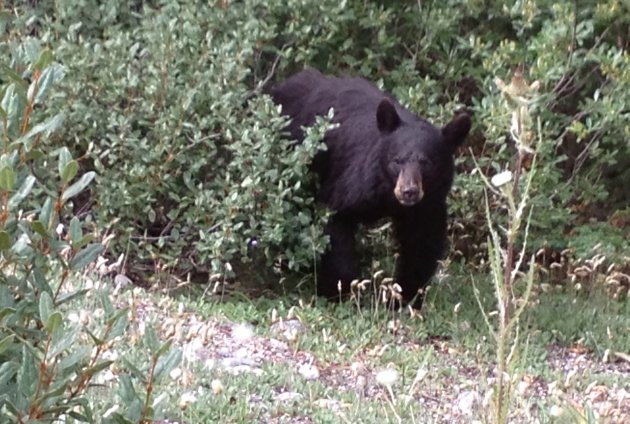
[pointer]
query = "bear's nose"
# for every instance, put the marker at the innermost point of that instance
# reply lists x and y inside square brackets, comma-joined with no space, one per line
[411,194]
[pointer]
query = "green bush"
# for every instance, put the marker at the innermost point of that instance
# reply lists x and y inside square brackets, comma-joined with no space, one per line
[42,246]
[164,101]
[194,170]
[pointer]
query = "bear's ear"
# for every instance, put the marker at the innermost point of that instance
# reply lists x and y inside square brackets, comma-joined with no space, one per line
[456,131]
[387,118]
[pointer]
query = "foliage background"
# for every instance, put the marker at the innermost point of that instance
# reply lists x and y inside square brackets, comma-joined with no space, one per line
[163,100]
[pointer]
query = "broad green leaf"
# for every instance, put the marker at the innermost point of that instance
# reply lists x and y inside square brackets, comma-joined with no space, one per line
[4,312]
[34,154]
[39,228]
[48,127]
[76,358]
[6,343]
[97,341]
[10,74]
[7,372]
[5,240]
[13,104]
[45,307]
[164,348]
[21,245]
[63,343]
[75,231]
[70,171]
[135,371]
[151,340]
[79,186]
[54,322]
[167,363]
[46,213]
[135,411]
[69,296]
[51,75]
[85,256]
[27,374]
[126,389]
[83,242]
[118,323]
[45,59]
[97,368]
[7,179]
[23,191]
[64,159]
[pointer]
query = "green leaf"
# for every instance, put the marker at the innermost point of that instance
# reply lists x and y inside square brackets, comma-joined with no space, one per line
[151,340]
[48,127]
[70,171]
[83,242]
[135,371]
[13,104]
[27,374]
[5,240]
[51,74]
[12,75]
[79,186]
[97,341]
[7,372]
[7,179]
[21,244]
[97,368]
[45,214]
[54,322]
[64,159]
[75,232]
[39,228]
[45,59]
[23,191]
[64,343]
[69,296]
[45,307]
[86,256]
[6,343]
[167,363]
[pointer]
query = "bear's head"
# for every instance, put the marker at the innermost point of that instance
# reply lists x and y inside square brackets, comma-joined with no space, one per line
[419,156]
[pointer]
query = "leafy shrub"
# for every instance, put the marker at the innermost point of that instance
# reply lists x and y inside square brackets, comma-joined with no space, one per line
[48,360]
[42,374]
[163,98]
[194,168]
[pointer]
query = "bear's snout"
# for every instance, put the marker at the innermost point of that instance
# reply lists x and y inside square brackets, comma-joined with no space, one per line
[408,194]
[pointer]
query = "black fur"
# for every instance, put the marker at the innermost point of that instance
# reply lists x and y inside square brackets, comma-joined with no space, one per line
[382,161]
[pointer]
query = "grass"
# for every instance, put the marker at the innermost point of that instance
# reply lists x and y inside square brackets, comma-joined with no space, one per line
[442,358]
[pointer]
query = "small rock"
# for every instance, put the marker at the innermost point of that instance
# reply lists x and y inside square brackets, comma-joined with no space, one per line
[466,402]
[287,396]
[309,371]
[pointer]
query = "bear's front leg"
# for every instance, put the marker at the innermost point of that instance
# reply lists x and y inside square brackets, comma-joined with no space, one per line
[421,245]
[339,262]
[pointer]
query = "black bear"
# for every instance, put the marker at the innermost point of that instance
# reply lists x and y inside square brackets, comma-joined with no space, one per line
[381,161]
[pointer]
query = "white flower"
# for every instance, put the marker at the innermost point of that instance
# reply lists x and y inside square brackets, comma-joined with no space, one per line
[501,178]
[387,377]
[217,386]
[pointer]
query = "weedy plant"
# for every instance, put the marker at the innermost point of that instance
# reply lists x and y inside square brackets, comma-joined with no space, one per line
[507,243]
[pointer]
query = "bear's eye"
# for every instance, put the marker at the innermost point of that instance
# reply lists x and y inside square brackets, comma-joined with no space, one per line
[399,161]
[424,162]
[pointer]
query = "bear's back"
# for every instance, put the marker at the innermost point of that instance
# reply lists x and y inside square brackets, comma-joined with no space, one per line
[309,94]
